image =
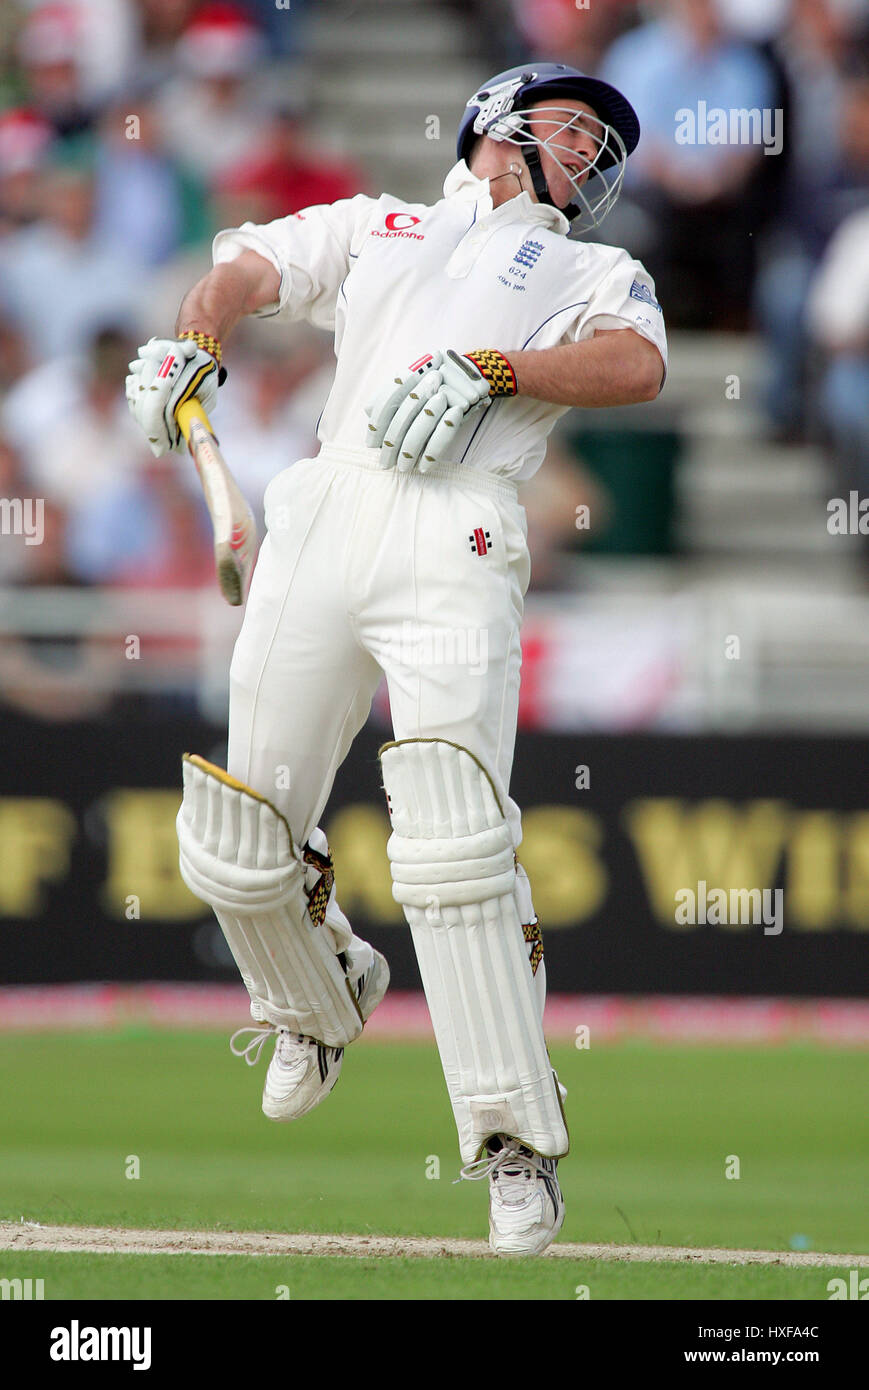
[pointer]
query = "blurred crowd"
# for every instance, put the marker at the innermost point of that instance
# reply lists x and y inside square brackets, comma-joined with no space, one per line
[131,130]
[769,235]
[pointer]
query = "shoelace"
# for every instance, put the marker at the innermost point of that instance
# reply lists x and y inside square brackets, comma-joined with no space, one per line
[251,1051]
[488,1166]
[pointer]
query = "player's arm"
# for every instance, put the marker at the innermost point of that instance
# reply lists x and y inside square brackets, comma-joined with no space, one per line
[296,263]
[169,372]
[229,292]
[414,419]
[616,367]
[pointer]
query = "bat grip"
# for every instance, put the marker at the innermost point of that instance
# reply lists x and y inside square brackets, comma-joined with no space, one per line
[188,412]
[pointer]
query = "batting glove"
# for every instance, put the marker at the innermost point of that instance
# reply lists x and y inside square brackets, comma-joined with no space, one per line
[415,421]
[167,373]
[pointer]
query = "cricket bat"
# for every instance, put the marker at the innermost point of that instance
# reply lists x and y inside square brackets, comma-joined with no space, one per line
[232,519]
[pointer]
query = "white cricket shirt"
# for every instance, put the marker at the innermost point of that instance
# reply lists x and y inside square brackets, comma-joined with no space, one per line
[397,280]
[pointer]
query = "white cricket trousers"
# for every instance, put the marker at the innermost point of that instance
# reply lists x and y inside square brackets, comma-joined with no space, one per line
[365,571]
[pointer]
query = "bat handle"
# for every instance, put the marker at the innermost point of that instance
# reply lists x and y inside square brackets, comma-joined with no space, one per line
[188,412]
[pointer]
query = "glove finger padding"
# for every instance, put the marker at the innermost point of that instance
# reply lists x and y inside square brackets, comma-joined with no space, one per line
[417,437]
[430,403]
[386,404]
[412,409]
[441,445]
[381,411]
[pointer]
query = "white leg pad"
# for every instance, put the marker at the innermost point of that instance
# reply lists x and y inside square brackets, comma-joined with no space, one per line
[453,871]
[237,854]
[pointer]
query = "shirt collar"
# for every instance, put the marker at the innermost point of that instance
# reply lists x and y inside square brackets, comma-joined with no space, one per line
[460,185]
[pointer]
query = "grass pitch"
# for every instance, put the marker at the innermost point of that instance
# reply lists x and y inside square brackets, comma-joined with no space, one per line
[164,1130]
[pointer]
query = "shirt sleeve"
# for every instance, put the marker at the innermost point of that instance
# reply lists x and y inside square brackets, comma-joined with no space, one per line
[624,298]
[310,251]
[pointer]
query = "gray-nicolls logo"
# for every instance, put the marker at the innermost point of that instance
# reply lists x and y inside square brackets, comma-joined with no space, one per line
[77,1343]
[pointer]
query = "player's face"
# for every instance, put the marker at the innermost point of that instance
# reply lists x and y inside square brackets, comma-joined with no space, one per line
[576,144]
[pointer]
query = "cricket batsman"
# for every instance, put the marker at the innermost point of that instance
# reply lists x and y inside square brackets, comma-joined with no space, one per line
[463,331]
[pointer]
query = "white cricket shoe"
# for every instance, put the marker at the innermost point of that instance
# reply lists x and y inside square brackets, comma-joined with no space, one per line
[526,1208]
[303,1071]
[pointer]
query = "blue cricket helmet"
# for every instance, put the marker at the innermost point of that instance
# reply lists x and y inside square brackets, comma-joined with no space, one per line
[499,109]
[530,83]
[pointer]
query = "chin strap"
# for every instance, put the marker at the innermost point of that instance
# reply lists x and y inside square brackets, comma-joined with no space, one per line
[541,187]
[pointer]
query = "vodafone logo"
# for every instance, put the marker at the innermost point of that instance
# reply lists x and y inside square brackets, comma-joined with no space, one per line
[398,224]
[400,221]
